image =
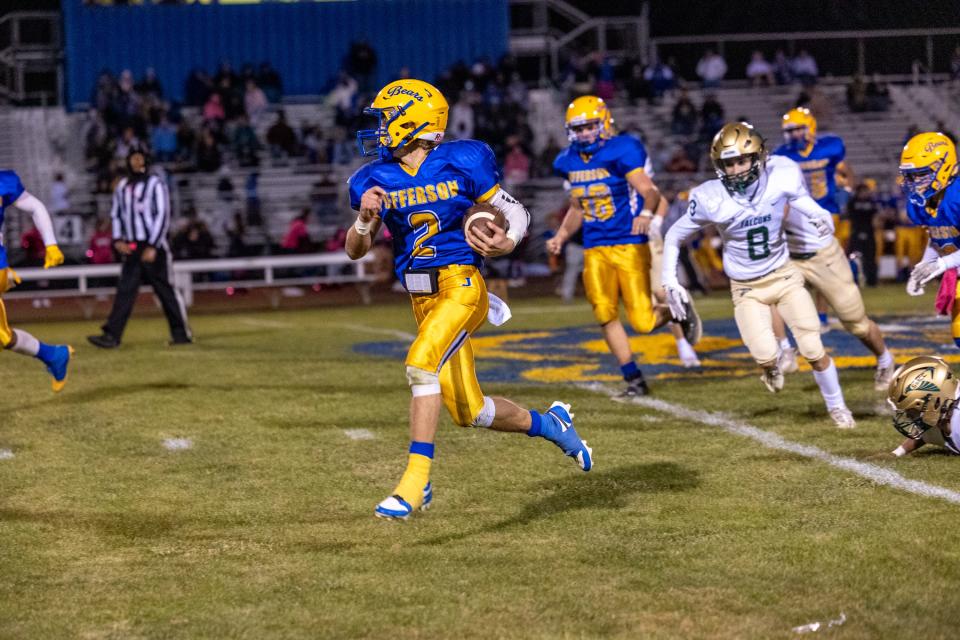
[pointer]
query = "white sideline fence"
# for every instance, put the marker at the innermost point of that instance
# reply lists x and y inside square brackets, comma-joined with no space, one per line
[183,270]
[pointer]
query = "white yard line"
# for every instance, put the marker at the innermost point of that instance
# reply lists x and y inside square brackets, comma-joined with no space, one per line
[266,324]
[362,328]
[177,444]
[560,308]
[871,472]
[359,434]
[6,454]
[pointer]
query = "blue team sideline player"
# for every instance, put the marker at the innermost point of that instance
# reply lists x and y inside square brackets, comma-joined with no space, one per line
[420,190]
[55,357]
[615,201]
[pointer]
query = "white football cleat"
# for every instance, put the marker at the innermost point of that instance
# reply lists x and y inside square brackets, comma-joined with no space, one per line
[772,380]
[690,361]
[843,418]
[787,362]
[883,376]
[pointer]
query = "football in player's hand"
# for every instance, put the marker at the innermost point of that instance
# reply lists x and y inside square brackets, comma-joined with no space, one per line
[479,214]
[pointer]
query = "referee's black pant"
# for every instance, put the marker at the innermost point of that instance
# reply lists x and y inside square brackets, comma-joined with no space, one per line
[157,275]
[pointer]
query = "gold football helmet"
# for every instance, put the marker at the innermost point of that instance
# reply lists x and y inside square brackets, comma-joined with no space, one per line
[734,140]
[407,110]
[799,129]
[921,394]
[928,164]
[583,111]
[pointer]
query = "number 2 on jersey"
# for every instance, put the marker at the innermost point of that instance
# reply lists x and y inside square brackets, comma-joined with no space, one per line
[425,225]
[758,243]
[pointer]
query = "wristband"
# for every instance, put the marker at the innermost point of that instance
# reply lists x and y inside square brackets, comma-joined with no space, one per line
[646,213]
[900,451]
[362,228]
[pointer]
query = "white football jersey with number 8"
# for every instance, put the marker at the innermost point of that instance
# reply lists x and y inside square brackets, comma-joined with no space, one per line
[752,229]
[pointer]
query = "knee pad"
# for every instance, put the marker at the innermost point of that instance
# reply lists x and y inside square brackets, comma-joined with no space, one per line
[484,417]
[859,329]
[422,383]
[809,344]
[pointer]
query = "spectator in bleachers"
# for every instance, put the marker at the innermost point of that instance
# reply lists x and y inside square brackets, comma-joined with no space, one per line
[197,88]
[186,141]
[711,117]
[127,141]
[517,89]
[344,99]
[857,94]
[877,94]
[149,86]
[252,191]
[516,166]
[245,144]
[680,162]
[804,68]
[281,138]
[163,141]
[213,109]
[193,242]
[269,80]
[103,92]
[461,119]
[759,71]
[59,203]
[310,137]
[100,249]
[34,250]
[782,71]
[225,73]
[660,77]
[362,64]
[711,69]
[297,239]
[340,148]
[683,120]
[208,154]
[254,101]
[605,76]
[236,247]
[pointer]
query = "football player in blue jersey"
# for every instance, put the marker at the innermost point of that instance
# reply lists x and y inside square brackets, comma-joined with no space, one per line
[928,174]
[822,260]
[55,357]
[615,201]
[420,189]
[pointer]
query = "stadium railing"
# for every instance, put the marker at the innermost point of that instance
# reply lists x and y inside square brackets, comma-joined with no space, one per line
[357,272]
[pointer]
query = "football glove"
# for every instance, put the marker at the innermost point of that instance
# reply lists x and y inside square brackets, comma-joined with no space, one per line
[823,225]
[53,256]
[924,272]
[677,300]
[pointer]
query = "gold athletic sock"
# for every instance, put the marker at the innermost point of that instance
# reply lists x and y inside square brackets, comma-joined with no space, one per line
[414,479]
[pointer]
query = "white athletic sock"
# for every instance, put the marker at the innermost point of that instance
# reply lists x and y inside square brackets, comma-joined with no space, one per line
[684,348]
[885,359]
[784,343]
[26,343]
[829,382]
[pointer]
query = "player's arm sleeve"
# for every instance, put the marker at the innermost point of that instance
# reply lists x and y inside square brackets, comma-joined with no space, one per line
[516,214]
[115,216]
[357,183]
[799,197]
[161,213]
[41,217]
[558,169]
[482,175]
[680,231]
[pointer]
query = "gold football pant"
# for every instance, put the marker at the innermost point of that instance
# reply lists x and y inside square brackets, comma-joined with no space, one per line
[908,245]
[829,273]
[615,272]
[445,321]
[8,279]
[841,230]
[784,289]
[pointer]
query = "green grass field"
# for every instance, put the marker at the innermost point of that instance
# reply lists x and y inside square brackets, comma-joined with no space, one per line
[265,527]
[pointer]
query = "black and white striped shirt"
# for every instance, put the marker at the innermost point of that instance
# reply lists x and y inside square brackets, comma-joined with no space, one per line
[141,211]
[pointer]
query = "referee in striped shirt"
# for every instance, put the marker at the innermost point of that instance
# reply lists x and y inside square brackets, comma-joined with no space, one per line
[141,220]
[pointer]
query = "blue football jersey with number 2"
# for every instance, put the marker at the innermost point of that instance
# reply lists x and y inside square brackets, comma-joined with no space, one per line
[425,211]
